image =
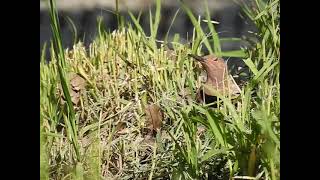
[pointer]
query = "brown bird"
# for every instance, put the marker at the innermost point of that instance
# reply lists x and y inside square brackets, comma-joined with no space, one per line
[218,78]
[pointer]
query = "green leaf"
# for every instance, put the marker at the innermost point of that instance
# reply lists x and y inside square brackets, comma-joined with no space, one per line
[213,152]
[214,125]
[216,41]
[136,23]
[230,39]
[251,65]
[200,34]
[236,53]
[157,18]
[172,21]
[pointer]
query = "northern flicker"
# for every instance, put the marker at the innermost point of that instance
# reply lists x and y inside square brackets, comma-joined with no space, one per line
[218,78]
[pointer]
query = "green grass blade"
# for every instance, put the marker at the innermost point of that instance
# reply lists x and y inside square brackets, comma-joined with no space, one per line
[73,29]
[157,19]
[59,54]
[43,53]
[181,149]
[214,125]
[213,152]
[172,21]
[230,39]
[251,65]
[136,23]
[216,41]
[236,53]
[196,24]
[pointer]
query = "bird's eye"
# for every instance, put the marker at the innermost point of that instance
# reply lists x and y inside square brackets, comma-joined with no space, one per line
[215,59]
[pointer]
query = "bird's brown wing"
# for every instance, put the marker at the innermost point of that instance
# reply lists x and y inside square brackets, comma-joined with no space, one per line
[218,78]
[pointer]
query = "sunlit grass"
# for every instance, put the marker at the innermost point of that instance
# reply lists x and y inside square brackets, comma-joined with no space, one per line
[104,135]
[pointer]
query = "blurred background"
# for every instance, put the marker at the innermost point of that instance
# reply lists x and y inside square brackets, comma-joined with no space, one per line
[85,14]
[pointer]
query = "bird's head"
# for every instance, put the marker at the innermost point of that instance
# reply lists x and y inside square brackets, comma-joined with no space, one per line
[217,73]
[213,65]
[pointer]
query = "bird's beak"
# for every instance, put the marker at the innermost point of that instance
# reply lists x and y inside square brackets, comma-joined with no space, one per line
[198,58]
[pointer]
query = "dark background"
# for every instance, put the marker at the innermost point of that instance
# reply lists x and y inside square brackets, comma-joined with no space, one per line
[84,14]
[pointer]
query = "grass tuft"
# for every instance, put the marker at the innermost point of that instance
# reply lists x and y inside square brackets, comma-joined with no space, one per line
[100,129]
